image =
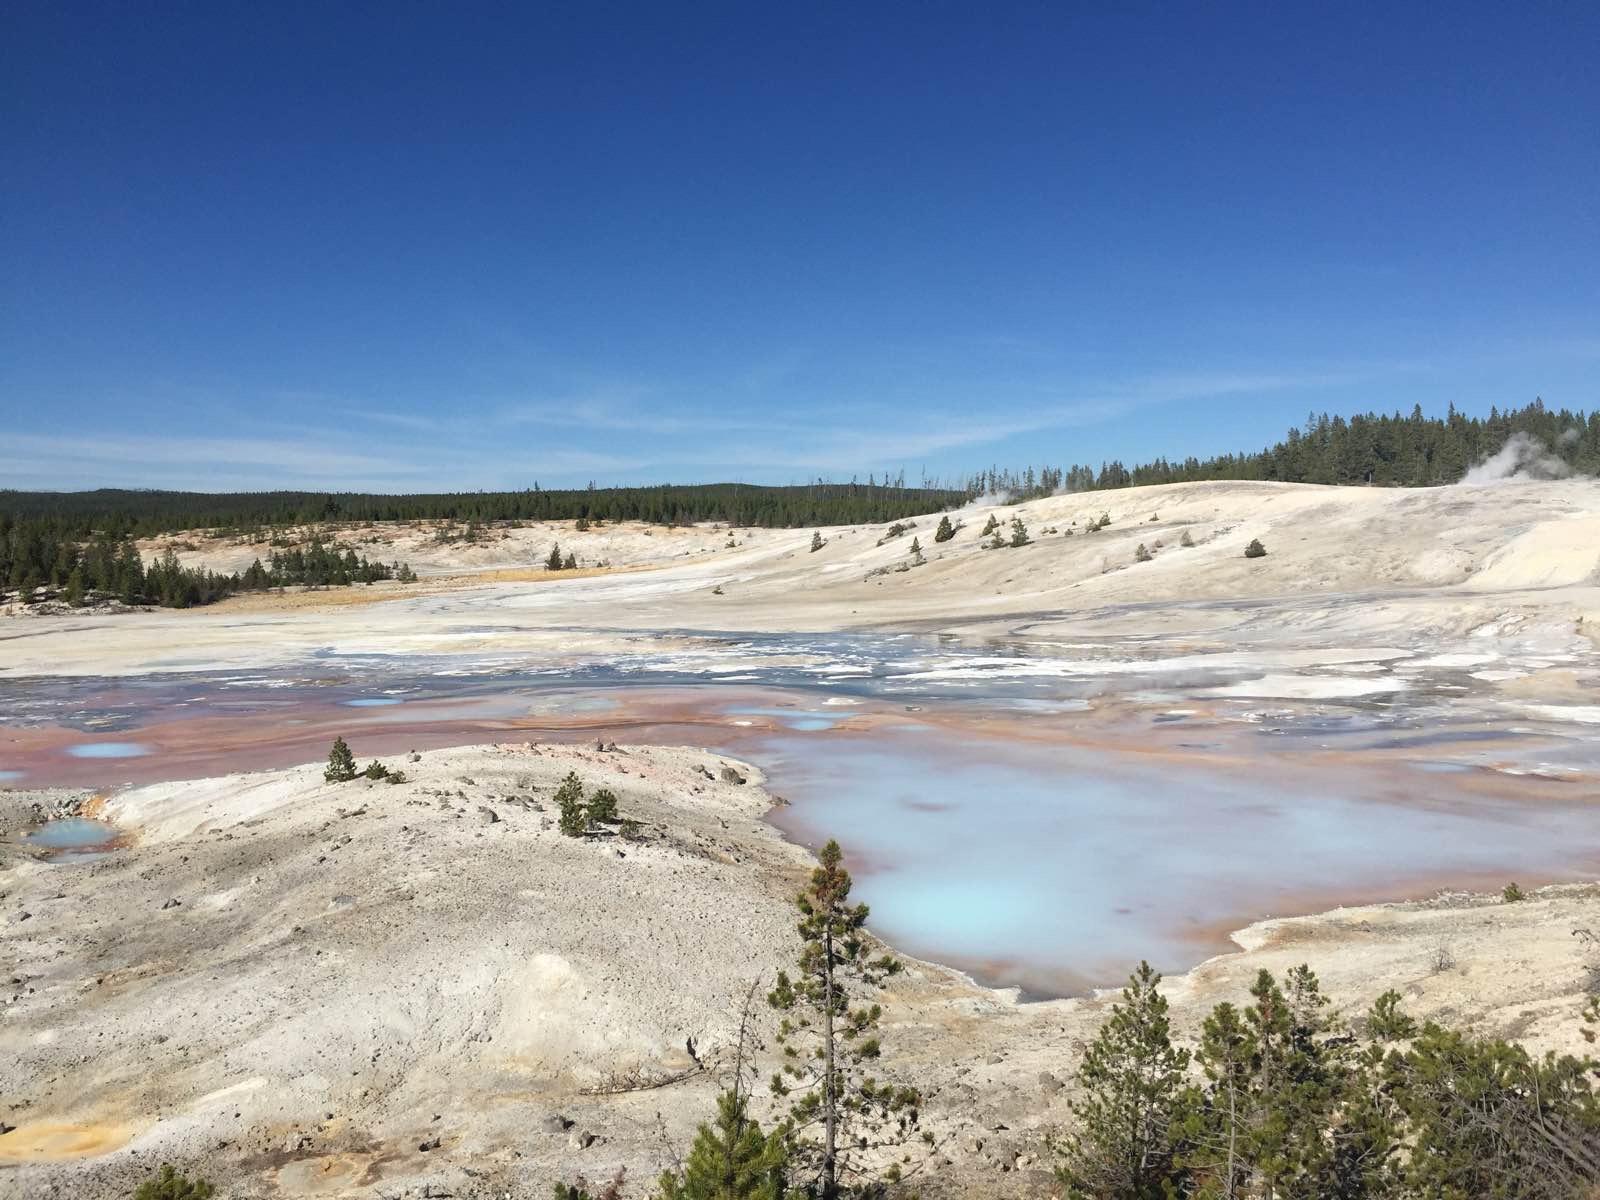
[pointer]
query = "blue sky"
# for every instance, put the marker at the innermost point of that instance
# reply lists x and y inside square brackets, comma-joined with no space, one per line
[473,246]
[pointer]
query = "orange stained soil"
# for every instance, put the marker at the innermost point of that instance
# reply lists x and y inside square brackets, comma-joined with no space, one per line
[54,1141]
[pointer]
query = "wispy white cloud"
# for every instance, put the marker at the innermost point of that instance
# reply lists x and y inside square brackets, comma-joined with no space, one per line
[246,464]
[772,421]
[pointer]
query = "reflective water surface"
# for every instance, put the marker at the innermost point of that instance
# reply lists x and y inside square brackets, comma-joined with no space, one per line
[996,801]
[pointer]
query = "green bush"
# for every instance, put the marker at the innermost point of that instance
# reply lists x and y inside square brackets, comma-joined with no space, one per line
[1386,1023]
[1511,893]
[169,1185]
[376,770]
[569,799]
[341,763]
[945,532]
[1255,549]
[731,1160]
[611,1190]
[603,807]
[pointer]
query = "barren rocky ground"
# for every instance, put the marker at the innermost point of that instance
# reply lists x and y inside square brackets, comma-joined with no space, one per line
[401,990]
[373,989]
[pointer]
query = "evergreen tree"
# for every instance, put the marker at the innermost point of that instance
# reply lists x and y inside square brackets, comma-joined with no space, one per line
[816,542]
[571,564]
[341,763]
[75,591]
[732,1160]
[574,820]
[1132,1077]
[991,526]
[916,550]
[1276,1083]
[1490,1120]
[1019,532]
[1385,1021]
[553,562]
[1255,549]
[836,1108]
[602,807]
[946,531]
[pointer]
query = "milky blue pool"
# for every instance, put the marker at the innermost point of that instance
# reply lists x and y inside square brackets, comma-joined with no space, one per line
[73,839]
[108,750]
[1056,868]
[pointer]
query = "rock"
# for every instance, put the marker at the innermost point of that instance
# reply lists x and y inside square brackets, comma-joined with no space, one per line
[172,902]
[1049,1083]
[581,1140]
[729,775]
[487,816]
[431,1144]
[995,1059]
[554,1123]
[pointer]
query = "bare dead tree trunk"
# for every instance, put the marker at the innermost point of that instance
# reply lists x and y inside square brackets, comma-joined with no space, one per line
[1233,1135]
[829,1100]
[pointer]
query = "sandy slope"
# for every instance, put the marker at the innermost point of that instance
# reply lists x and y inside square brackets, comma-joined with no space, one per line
[1508,567]
[333,990]
[350,972]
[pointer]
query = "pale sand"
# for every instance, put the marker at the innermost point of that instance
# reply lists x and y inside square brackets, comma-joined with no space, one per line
[1502,572]
[485,973]
[353,970]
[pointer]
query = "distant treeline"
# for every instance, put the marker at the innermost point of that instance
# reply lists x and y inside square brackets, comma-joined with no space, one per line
[1390,451]
[45,535]
[141,513]
[38,564]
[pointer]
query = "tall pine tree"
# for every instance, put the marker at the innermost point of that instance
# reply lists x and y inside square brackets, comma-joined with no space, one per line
[838,1110]
[1132,1078]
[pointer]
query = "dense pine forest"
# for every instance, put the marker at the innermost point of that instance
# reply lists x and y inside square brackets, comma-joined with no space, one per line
[1387,451]
[142,513]
[78,543]
[39,565]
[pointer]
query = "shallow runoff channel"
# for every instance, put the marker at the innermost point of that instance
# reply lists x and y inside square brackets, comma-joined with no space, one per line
[1041,822]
